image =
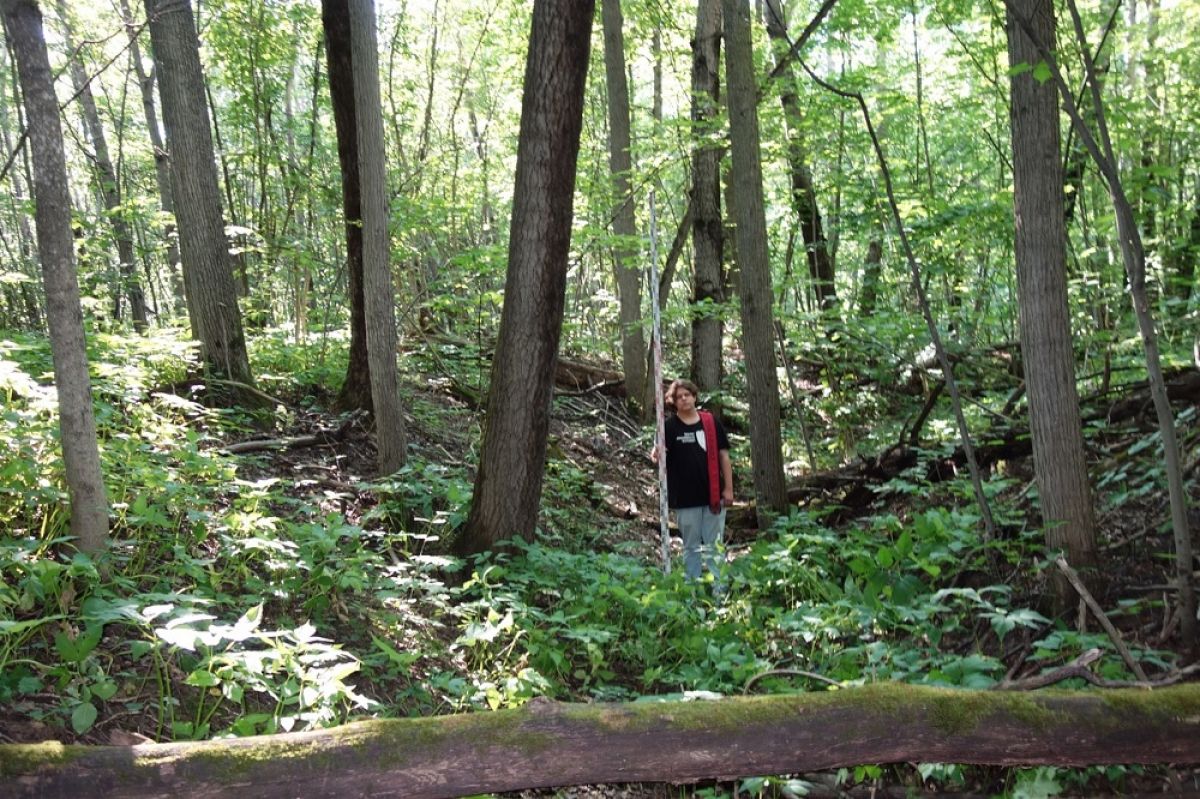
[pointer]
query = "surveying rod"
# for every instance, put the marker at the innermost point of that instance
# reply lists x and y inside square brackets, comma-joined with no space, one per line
[660,440]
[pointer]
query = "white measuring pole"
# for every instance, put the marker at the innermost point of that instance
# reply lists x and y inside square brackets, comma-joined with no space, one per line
[660,440]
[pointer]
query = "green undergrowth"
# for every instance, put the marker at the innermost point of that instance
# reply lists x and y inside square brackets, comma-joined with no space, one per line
[233,603]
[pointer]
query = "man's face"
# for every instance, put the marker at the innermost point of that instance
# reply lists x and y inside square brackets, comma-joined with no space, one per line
[684,399]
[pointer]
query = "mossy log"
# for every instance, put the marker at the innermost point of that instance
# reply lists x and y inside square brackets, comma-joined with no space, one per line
[550,744]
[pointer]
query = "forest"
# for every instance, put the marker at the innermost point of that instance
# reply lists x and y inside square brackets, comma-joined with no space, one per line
[333,339]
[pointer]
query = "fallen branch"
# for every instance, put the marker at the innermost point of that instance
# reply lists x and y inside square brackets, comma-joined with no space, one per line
[293,442]
[548,744]
[1113,633]
[1079,667]
[812,675]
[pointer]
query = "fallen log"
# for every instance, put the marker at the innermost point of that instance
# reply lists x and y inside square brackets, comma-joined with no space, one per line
[852,486]
[546,744]
[294,442]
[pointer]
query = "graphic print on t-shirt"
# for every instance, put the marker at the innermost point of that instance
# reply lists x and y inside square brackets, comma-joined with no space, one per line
[693,437]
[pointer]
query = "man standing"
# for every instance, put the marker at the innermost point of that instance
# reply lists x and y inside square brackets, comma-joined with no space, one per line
[699,477]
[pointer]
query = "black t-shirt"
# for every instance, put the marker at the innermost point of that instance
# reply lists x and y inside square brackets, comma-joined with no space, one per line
[687,462]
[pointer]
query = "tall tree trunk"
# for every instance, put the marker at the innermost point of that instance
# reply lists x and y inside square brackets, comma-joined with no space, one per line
[378,293]
[356,388]
[207,269]
[754,283]
[109,188]
[804,195]
[708,280]
[1133,255]
[81,453]
[626,252]
[162,167]
[508,487]
[1046,341]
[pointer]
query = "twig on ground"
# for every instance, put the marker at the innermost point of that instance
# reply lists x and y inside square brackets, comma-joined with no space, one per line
[788,673]
[1079,668]
[294,442]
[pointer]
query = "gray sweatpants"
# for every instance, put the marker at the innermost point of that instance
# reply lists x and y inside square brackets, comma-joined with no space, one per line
[702,531]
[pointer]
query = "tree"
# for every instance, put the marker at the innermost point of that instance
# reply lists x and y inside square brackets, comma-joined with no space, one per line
[110,190]
[1046,342]
[754,284]
[803,194]
[379,303]
[708,294]
[1133,255]
[508,486]
[81,453]
[620,164]
[162,167]
[335,19]
[207,268]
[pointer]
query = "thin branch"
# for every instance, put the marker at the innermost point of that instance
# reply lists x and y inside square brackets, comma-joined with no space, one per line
[24,134]
[1113,633]
[812,675]
[794,51]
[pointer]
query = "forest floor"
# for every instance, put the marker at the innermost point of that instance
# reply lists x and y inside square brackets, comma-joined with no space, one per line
[593,434]
[326,461]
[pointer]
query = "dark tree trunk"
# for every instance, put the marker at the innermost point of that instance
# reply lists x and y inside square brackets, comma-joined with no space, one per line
[508,487]
[626,252]
[754,279]
[804,195]
[707,233]
[81,455]
[335,16]
[207,268]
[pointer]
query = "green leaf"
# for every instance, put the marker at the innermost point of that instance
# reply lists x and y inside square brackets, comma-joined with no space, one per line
[139,649]
[104,691]
[202,678]
[83,717]
[1042,73]
[74,650]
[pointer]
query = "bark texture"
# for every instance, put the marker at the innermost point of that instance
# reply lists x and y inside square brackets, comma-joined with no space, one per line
[335,17]
[546,744]
[378,295]
[754,283]
[620,163]
[81,453]
[708,283]
[204,250]
[1046,342]
[508,486]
